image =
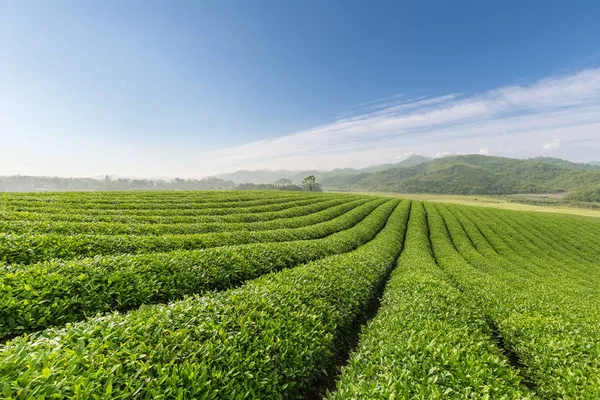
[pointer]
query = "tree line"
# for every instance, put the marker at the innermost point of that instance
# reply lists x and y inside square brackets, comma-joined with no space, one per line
[20,183]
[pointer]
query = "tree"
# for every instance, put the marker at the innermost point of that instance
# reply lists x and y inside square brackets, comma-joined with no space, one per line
[310,182]
[283,182]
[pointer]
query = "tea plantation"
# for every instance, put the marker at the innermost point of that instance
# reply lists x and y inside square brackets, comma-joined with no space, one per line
[277,295]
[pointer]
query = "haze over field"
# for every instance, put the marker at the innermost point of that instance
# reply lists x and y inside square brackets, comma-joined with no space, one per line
[195,89]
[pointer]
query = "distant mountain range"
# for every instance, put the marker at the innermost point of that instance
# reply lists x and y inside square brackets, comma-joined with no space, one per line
[477,174]
[466,174]
[270,176]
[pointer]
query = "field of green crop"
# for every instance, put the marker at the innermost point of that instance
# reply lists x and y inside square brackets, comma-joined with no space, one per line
[277,295]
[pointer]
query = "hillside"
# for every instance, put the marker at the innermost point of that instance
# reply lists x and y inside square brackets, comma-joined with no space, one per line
[409,162]
[477,174]
[466,174]
[591,166]
[586,194]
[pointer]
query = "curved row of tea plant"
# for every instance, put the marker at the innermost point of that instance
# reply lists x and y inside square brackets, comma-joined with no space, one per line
[320,214]
[141,194]
[428,340]
[192,208]
[165,203]
[559,247]
[271,338]
[118,203]
[546,273]
[58,292]
[27,249]
[279,206]
[173,219]
[581,244]
[144,196]
[530,252]
[550,326]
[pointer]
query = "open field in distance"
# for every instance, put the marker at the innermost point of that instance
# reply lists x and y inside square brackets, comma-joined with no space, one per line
[489,201]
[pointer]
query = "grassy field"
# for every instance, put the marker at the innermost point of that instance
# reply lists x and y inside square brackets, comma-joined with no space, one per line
[294,295]
[488,201]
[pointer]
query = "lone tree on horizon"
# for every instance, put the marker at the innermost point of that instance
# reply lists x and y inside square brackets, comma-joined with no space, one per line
[310,182]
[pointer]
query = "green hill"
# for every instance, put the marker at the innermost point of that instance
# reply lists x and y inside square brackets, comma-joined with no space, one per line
[409,162]
[466,174]
[477,174]
[586,194]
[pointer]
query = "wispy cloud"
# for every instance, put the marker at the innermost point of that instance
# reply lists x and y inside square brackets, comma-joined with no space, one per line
[524,118]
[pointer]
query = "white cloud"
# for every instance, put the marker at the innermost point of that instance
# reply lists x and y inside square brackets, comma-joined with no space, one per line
[517,121]
[442,154]
[404,156]
[484,151]
[554,145]
[507,117]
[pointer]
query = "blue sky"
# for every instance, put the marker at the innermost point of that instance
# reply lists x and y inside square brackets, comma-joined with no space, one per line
[194,88]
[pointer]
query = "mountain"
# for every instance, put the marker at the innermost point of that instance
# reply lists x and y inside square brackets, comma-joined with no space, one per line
[454,174]
[409,162]
[258,176]
[594,163]
[339,174]
[478,174]
[568,164]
